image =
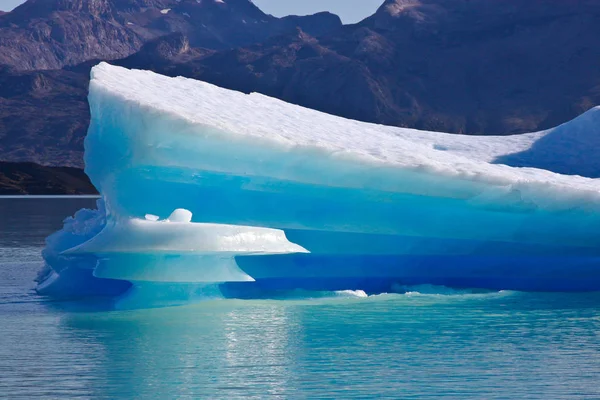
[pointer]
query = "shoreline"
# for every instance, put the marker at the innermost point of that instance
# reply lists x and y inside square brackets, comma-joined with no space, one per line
[49,196]
[31,179]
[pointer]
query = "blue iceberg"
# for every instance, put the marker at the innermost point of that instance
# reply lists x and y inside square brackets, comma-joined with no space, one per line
[209,193]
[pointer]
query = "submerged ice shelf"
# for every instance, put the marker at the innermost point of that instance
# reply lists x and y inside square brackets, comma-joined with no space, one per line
[283,197]
[177,250]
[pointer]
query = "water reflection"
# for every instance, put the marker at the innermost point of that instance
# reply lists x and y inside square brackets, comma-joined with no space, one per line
[487,345]
[494,345]
[25,222]
[224,348]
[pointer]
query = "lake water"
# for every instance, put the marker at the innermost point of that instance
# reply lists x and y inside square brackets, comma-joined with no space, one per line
[439,343]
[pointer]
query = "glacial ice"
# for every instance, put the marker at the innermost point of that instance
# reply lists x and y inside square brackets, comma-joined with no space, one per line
[273,196]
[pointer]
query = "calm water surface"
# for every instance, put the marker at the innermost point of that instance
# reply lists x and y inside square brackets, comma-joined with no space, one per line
[444,344]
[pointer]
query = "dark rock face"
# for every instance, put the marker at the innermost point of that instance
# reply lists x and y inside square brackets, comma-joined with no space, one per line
[463,66]
[29,178]
[494,67]
[43,116]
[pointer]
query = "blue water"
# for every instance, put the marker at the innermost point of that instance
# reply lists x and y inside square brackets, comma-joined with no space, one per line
[436,343]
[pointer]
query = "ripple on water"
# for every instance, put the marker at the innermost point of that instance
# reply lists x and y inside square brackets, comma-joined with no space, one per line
[422,342]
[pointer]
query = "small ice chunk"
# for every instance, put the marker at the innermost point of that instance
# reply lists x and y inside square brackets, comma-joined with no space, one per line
[352,293]
[150,217]
[181,215]
[165,11]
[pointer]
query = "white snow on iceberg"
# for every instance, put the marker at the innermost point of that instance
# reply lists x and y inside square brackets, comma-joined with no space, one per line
[375,206]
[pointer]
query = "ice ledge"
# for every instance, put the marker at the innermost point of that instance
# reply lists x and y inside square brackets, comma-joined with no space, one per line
[177,250]
[177,235]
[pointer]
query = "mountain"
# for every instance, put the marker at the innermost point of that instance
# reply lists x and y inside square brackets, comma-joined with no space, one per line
[462,66]
[29,178]
[474,66]
[47,47]
[43,116]
[51,34]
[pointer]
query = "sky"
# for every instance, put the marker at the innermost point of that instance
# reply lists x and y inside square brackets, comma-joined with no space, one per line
[7,5]
[349,10]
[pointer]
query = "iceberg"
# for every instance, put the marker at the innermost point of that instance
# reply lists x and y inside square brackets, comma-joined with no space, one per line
[209,192]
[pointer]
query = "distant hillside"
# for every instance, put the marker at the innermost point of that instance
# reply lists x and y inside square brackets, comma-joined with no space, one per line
[29,178]
[51,34]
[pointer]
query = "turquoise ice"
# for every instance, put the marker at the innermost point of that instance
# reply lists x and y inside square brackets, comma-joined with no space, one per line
[278,197]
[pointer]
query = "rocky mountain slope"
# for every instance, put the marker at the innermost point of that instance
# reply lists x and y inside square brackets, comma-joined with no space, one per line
[463,66]
[47,46]
[43,116]
[34,179]
[51,34]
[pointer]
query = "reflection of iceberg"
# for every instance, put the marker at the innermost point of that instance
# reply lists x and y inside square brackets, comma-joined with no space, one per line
[374,205]
[211,351]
